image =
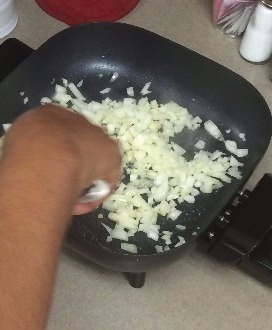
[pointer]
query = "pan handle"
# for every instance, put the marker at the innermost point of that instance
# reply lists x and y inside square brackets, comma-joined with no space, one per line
[12,53]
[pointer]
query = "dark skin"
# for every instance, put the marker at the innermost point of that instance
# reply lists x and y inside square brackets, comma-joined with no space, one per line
[50,155]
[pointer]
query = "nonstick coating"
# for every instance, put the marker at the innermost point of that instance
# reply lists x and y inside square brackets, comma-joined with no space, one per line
[204,87]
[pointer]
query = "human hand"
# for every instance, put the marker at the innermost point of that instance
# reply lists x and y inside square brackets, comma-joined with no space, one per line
[58,136]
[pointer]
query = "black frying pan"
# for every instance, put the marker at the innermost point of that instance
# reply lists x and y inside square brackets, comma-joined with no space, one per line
[204,87]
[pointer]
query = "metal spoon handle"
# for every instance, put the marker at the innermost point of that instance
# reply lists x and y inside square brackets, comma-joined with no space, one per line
[98,190]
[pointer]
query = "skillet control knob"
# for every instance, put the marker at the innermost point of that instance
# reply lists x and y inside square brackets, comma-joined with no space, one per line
[211,235]
[223,221]
[243,196]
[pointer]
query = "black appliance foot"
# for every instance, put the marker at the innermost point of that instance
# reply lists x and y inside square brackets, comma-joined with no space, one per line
[136,280]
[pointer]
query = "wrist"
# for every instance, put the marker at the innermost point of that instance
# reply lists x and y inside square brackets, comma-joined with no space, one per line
[40,182]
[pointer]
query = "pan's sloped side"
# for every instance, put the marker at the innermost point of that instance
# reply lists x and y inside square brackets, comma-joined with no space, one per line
[204,87]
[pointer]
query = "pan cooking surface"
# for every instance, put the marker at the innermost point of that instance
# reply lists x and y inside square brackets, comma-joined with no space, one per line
[177,74]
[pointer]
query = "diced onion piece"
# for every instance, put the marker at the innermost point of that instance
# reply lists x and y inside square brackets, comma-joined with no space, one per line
[26,99]
[173,215]
[119,233]
[6,127]
[109,230]
[129,247]
[76,92]
[232,171]
[145,90]
[189,198]
[200,144]
[242,136]
[181,239]
[231,146]
[130,91]
[167,238]
[228,131]
[63,98]
[22,93]
[159,248]
[80,83]
[212,129]
[181,151]
[105,91]
[60,89]
[242,152]
[234,162]
[45,100]
[180,227]
[64,81]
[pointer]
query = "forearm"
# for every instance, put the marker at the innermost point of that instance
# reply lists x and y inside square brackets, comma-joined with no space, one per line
[35,204]
[50,156]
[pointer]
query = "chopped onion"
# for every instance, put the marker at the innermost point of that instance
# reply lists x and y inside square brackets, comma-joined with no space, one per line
[76,92]
[130,91]
[242,136]
[231,146]
[45,100]
[181,239]
[22,93]
[234,162]
[180,227]
[178,149]
[129,247]
[80,83]
[200,144]
[242,152]
[109,230]
[145,131]
[228,131]
[145,90]
[6,127]
[173,215]
[119,233]
[159,248]
[105,91]
[26,99]
[212,129]
[64,81]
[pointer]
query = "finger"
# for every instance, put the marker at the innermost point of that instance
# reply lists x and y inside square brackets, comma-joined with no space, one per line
[83,208]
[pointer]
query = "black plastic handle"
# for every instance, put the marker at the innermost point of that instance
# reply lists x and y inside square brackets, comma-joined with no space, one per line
[243,234]
[12,53]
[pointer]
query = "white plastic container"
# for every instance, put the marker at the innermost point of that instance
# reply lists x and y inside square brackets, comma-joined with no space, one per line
[8,17]
[256,45]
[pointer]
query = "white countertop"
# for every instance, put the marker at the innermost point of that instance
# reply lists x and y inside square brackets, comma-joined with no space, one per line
[196,292]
